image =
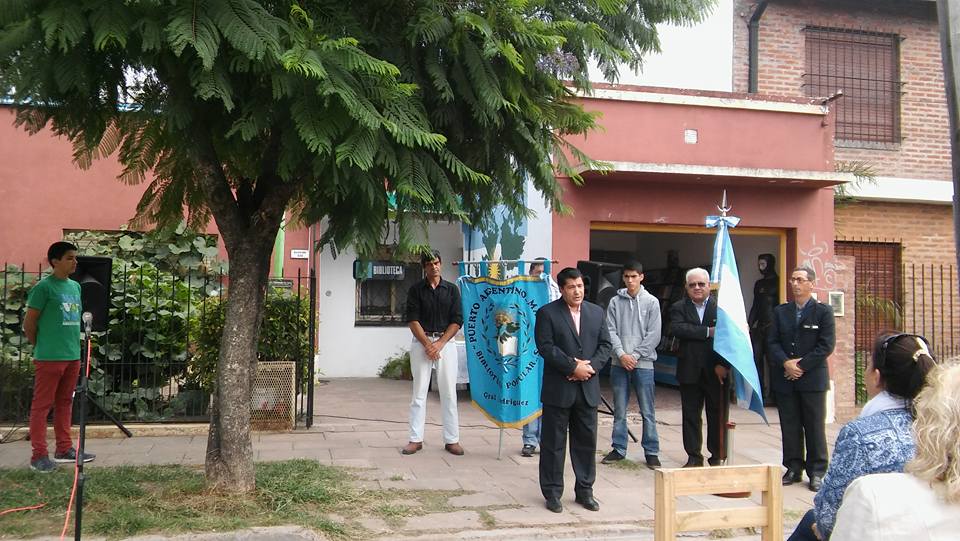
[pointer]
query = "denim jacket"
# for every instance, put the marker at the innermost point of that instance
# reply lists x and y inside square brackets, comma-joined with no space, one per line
[878,443]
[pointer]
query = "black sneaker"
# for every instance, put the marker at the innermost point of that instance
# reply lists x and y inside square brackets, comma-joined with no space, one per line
[528,450]
[43,465]
[71,456]
[612,456]
[652,461]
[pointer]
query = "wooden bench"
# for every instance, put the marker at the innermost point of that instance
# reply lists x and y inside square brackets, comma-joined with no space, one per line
[671,483]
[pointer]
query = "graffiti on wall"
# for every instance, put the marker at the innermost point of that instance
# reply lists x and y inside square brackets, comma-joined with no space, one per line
[817,256]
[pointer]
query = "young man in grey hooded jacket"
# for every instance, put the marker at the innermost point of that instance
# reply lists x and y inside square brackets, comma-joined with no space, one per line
[633,319]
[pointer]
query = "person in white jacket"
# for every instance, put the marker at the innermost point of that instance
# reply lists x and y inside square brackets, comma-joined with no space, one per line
[633,319]
[922,504]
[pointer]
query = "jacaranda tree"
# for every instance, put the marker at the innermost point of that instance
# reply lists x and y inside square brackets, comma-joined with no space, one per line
[239,111]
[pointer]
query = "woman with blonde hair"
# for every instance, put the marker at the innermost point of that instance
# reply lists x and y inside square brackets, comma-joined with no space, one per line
[924,503]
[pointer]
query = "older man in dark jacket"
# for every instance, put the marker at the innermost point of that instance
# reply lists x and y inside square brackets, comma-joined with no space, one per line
[700,371]
[800,339]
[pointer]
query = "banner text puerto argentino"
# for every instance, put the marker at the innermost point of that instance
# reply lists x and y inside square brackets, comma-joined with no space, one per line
[506,371]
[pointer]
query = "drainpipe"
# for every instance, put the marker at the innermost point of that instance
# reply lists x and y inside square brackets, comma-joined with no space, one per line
[753,40]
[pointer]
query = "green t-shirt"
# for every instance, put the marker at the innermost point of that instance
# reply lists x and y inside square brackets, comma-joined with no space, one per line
[58,331]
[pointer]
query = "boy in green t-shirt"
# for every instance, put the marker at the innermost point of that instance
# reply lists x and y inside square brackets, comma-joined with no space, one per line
[52,325]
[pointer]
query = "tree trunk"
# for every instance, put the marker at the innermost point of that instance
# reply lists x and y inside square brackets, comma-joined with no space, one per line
[229,460]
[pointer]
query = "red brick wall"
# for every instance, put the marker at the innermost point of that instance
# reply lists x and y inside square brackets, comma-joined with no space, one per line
[925,149]
[925,231]
[842,369]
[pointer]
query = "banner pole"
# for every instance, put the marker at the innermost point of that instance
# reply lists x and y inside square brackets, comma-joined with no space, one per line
[500,447]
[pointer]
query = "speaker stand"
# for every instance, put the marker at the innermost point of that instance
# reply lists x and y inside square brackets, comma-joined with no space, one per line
[116,422]
[609,411]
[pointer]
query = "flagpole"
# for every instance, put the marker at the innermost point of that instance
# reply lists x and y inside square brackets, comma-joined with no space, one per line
[724,208]
[725,425]
[500,447]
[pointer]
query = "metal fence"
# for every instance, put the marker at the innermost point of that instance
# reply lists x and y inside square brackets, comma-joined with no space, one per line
[149,365]
[893,295]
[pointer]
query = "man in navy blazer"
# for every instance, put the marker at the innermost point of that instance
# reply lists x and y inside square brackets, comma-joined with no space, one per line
[801,337]
[574,342]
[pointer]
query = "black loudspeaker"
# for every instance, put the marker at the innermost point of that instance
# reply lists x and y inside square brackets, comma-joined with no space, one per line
[601,280]
[94,273]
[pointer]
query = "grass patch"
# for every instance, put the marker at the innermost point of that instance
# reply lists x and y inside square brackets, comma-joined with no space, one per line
[628,465]
[134,500]
[487,519]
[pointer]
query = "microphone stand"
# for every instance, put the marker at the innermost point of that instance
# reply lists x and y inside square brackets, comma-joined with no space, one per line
[82,388]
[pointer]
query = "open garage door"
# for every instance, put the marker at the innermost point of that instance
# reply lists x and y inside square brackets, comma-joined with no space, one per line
[667,252]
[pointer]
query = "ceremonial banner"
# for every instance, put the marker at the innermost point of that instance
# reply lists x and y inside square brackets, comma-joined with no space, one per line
[506,371]
[732,337]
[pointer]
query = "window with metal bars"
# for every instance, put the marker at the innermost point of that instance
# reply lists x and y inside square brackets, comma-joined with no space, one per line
[865,66]
[384,302]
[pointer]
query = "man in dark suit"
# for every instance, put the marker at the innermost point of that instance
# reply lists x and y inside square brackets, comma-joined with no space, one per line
[700,371]
[800,339]
[574,342]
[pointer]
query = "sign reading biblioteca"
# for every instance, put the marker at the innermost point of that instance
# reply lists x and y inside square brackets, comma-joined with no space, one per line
[506,370]
[378,270]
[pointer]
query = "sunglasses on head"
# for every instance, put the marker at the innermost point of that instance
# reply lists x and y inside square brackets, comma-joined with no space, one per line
[697,284]
[881,358]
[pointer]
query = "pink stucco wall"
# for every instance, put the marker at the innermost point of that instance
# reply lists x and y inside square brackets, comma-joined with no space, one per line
[43,193]
[652,133]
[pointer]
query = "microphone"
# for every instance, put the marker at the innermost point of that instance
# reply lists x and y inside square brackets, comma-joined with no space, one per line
[87,318]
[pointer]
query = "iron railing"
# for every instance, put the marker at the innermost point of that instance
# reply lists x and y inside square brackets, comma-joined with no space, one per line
[143,367]
[893,295]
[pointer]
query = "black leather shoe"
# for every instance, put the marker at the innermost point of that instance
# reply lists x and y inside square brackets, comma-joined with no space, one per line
[652,461]
[553,504]
[528,450]
[815,483]
[694,463]
[791,477]
[588,503]
[715,462]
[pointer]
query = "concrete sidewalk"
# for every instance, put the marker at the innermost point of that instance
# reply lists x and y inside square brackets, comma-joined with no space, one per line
[362,423]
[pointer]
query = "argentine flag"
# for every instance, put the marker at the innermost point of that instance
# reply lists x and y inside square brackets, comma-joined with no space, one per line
[732,337]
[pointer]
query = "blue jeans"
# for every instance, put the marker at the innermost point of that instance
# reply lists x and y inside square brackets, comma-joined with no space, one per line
[531,433]
[804,531]
[641,379]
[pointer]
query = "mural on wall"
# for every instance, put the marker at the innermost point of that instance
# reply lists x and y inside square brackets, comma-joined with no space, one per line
[817,257]
[503,237]
[508,237]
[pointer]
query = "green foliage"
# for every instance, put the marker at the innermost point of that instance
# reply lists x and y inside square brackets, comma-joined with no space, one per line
[397,367]
[321,102]
[15,287]
[16,388]
[859,384]
[283,336]
[863,173]
[160,280]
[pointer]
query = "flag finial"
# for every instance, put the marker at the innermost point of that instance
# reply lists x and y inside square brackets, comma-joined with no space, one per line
[723,207]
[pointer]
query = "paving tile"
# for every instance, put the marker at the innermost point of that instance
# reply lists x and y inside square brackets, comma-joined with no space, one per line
[535,516]
[457,520]
[482,499]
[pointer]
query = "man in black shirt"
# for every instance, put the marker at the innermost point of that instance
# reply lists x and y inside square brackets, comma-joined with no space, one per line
[434,316]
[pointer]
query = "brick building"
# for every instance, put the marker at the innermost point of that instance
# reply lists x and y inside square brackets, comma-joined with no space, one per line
[884,56]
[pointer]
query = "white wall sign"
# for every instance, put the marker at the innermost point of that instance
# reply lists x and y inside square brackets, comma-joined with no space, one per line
[299,254]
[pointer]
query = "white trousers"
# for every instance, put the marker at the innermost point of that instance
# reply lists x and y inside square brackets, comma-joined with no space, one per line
[446,368]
